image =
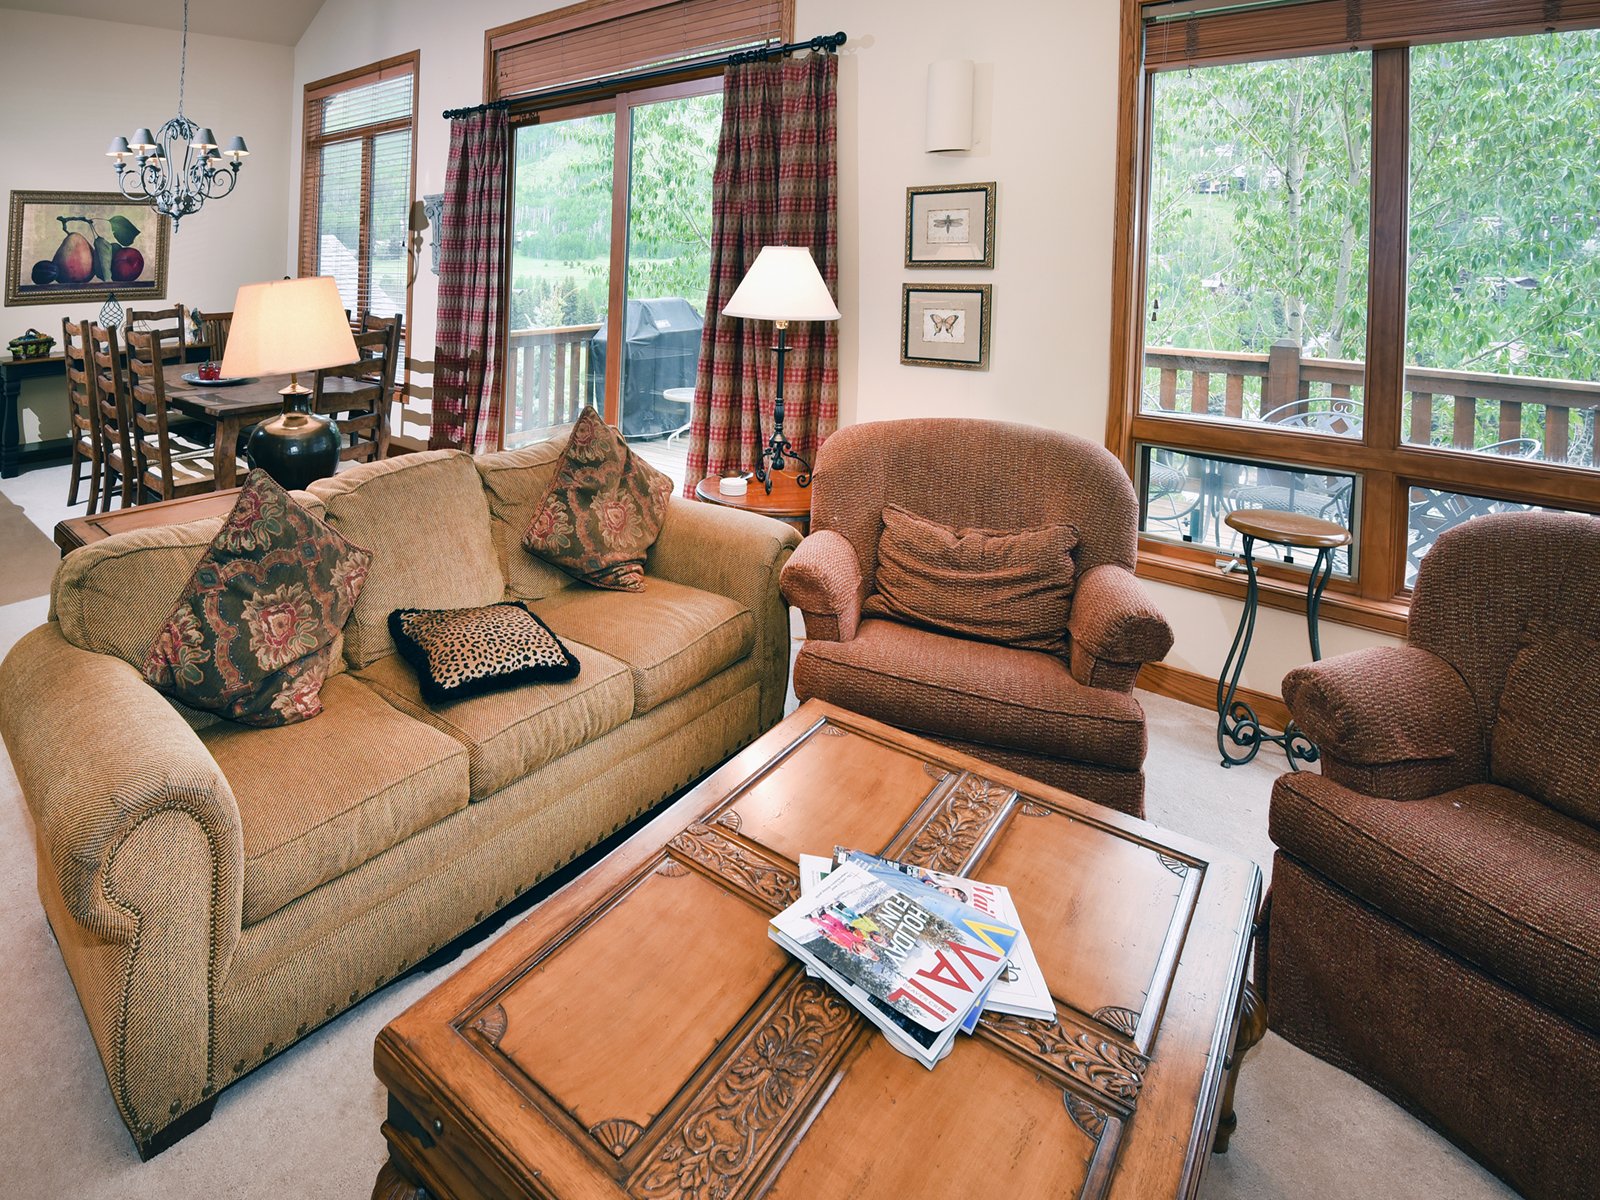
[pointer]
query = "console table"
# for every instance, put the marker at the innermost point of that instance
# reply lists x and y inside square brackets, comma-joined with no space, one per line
[12,373]
[80,531]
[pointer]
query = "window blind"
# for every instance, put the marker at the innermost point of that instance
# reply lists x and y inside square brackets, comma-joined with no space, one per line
[357,185]
[587,41]
[1179,35]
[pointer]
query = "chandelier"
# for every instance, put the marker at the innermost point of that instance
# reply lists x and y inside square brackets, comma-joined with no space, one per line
[178,168]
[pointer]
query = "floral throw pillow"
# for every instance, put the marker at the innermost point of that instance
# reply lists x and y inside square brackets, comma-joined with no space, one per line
[602,511]
[251,637]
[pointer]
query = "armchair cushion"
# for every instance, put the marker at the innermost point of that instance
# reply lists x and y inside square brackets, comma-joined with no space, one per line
[823,580]
[1549,722]
[1009,587]
[978,692]
[1483,871]
[1114,619]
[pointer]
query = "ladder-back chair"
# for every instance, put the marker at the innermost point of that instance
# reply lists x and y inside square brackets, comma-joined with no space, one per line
[111,400]
[83,409]
[411,419]
[358,394]
[162,464]
[175,336]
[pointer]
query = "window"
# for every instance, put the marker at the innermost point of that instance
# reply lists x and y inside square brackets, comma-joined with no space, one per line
[1360,274]
[610,235]
[359,179]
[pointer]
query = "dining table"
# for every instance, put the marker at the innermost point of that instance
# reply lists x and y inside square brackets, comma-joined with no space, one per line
[228,407]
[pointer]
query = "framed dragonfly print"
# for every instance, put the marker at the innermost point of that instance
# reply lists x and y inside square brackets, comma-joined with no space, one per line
[950,225]
[945,325]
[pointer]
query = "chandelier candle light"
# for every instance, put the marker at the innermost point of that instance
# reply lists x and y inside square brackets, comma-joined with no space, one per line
[782,285]
[179,168]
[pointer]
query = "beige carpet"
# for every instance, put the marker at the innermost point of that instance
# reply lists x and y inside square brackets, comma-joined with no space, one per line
[306,1124]
[29,556]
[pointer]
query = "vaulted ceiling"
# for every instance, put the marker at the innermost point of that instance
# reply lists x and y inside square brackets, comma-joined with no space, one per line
[281,22]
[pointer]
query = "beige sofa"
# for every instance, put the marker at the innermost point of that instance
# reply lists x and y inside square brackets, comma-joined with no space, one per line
[220,891]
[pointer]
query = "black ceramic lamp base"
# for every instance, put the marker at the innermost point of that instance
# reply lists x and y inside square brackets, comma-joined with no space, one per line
[298,446]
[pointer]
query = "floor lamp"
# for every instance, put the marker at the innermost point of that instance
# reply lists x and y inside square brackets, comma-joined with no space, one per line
[782,285]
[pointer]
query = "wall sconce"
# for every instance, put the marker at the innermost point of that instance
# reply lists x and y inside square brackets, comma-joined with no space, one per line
[949,105]
[416,224]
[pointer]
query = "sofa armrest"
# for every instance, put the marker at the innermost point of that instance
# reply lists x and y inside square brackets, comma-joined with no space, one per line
[1115,629]
[738,555]
[140,864]
[823,580]
[1392,721]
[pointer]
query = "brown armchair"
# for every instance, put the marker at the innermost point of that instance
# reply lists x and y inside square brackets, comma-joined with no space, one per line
[1434,918]
[1067,719]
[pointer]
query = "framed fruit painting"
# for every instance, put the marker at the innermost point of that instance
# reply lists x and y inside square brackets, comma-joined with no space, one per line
[70,247]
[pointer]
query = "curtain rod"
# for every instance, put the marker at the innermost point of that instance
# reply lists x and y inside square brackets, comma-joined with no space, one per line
[827,42]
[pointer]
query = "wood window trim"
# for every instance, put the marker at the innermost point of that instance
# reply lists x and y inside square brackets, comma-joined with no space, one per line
[389,68]
[1379,600]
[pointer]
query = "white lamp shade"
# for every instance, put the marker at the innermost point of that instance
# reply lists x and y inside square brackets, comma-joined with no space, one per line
[783,284]
[949,105]
[286,326]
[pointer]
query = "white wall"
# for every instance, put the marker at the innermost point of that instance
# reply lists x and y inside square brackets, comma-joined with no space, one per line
[1046,121]
[69,85]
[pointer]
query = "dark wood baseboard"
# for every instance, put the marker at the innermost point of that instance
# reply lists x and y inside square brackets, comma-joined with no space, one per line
[1201,691]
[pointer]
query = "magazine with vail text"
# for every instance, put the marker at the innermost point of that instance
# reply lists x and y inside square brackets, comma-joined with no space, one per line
[922,959]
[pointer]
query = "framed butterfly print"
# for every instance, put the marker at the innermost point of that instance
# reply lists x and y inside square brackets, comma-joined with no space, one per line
[946,325]
[950,225]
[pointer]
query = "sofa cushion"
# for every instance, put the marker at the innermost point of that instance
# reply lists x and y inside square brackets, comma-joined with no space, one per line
[253,633]
[426,521]
[1488,873]
[1548,723]
[672,637]
[512,733]
[516,481]
[1010,587]
[322,797]
[461,652]
[89,595]
[932,683]
[602,510]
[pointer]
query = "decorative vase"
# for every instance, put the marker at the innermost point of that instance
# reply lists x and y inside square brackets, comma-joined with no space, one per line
[298,446]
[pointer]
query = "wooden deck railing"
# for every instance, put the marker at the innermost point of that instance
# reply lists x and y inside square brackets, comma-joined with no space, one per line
[547,378]
[1465,410]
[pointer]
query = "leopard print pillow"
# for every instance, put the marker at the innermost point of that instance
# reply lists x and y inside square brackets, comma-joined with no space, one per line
[461,652]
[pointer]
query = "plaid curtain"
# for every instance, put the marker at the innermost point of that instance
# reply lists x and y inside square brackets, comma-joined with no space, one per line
[466,387]
[776,183]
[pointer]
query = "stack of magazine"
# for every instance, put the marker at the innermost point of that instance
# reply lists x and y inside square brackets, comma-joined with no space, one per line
[922,954]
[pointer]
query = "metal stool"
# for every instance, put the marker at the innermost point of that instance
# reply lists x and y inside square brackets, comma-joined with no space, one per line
[1236,721]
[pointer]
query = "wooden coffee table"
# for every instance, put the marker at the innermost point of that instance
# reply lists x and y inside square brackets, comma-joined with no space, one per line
[638,1035]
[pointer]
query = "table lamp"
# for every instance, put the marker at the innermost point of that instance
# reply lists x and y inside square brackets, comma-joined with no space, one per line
[280,328]
[782,285]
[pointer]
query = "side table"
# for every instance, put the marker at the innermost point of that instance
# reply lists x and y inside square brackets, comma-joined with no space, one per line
[1236,721]
[788,502]
[80,531]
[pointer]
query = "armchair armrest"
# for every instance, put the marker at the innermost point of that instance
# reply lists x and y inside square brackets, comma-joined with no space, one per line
[141,857]
[738,555]
[1391,721]
[823,580]
[1115,628]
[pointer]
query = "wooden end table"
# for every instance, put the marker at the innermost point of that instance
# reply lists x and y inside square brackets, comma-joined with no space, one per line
[638,1034]
[80,531]
[788,502]
[1236,720]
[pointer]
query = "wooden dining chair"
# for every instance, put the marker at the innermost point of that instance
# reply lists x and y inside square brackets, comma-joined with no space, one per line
[111,401]
[83,410]
[358,394]
[162,464]
[174,336]
[213,332]
[411,415]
